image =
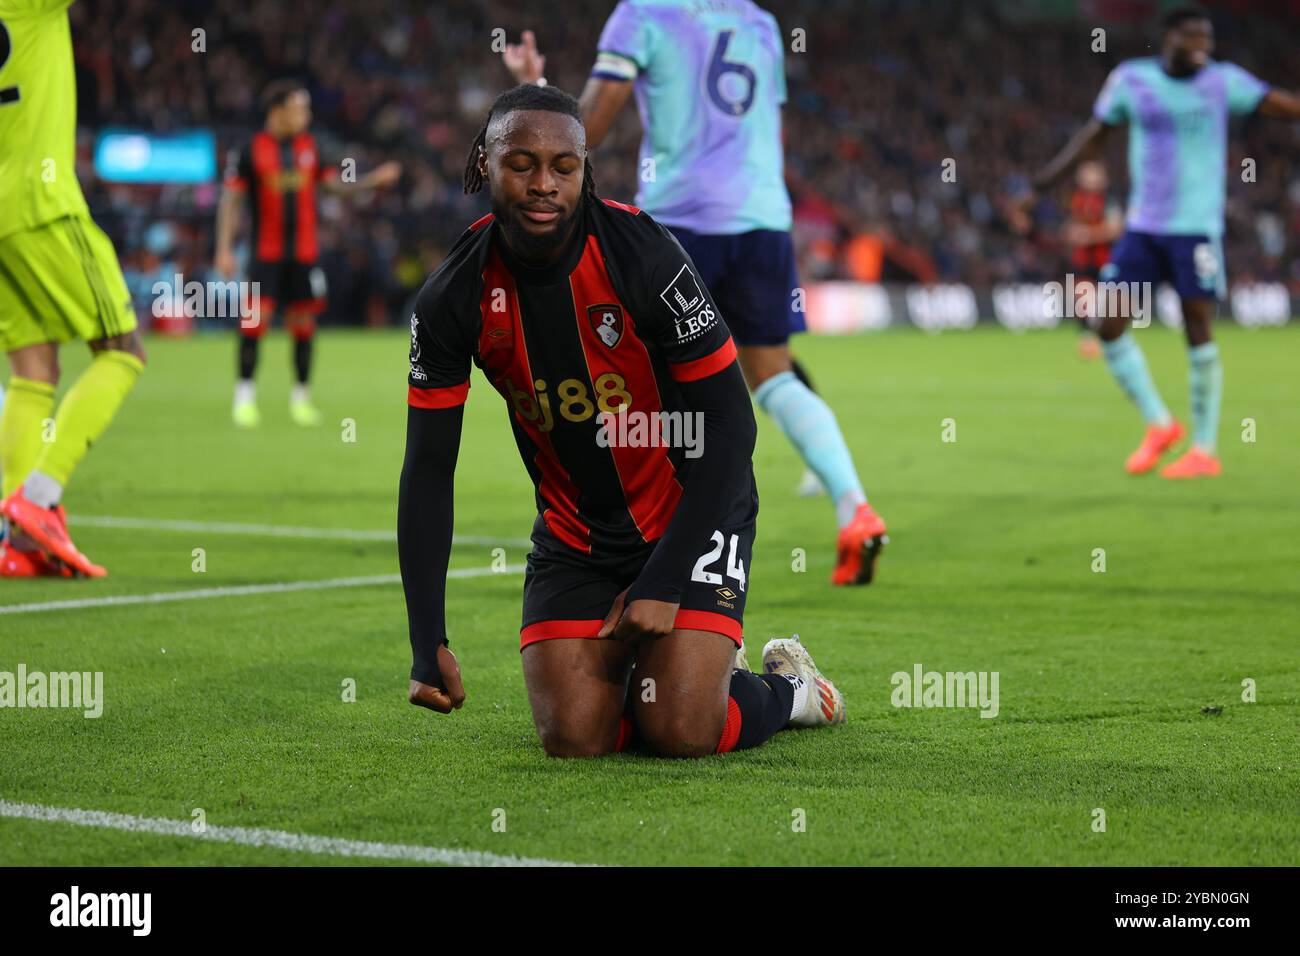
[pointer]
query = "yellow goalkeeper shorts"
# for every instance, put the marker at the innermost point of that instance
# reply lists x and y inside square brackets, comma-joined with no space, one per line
[59,282]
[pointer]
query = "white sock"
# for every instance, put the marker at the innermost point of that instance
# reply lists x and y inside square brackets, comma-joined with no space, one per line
[800,694]
[42,490]
[300,393]
[245,391]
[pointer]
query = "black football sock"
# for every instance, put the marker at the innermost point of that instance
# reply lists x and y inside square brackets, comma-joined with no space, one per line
[247,357]
[758,705]
[302,350]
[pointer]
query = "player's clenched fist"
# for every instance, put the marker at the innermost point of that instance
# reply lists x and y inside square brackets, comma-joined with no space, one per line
[646,619]
[450,696]
[638,621]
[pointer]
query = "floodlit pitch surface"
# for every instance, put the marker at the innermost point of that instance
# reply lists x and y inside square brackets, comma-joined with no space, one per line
[1120,690]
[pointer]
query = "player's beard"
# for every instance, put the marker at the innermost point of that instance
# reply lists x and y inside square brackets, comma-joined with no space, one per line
[533,248]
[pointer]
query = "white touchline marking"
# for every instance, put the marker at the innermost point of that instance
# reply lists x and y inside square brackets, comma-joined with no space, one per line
[272,839]
[273,530]
[162,597]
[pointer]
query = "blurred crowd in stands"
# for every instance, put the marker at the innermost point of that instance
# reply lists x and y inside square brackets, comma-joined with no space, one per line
[884,93]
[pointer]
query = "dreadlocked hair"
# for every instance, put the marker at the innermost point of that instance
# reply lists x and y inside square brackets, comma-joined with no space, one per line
[525,97]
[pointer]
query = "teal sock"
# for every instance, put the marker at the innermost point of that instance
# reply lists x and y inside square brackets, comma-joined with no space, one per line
[811,427]
[1206,379]
[1126,362]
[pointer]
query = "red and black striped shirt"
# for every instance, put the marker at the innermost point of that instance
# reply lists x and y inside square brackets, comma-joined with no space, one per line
[618,323]
[1089,208]
[280,177]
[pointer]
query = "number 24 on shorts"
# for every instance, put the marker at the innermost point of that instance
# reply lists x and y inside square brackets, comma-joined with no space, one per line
[735,567]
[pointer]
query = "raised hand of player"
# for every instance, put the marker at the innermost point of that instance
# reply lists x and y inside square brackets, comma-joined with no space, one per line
[386,174]
[450,696]
[523,61]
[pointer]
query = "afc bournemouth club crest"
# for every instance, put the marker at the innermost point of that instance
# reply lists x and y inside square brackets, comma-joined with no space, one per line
[607,322]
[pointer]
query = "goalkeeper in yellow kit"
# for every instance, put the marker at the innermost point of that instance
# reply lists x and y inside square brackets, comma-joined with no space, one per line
[59,280]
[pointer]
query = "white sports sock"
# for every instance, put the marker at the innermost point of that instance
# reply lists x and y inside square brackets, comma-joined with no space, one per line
[800,694]
[300,393]
[245,391]
[42,490]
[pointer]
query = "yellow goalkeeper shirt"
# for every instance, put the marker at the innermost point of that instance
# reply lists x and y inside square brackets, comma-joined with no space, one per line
[38,116]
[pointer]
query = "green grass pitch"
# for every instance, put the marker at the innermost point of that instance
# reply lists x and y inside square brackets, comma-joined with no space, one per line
[1119,690]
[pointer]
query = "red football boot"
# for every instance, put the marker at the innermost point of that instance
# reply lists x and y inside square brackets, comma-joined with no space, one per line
[48,527]
[1196,463]
[29,564]
[1158,440]
[859,546]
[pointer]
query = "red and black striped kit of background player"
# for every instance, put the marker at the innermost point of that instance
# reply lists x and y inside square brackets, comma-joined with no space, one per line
[616,324]
[1088,206]
[281,178]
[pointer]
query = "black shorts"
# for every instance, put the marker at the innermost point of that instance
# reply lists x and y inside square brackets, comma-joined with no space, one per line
[567,594]
[284,287]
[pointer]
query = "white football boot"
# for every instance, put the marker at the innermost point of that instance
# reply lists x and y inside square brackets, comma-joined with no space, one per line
[810,486]
[816,700]
[742,662]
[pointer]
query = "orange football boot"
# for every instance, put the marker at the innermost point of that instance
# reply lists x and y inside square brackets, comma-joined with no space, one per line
[859,546]
[1159,439]
[1196,463]
[29,564]
[48,527]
